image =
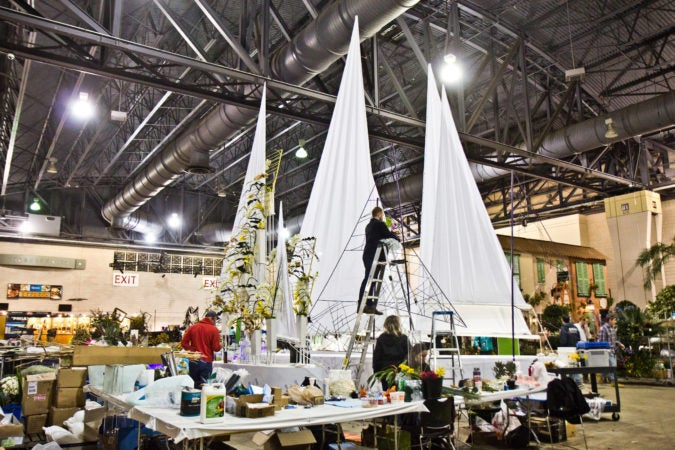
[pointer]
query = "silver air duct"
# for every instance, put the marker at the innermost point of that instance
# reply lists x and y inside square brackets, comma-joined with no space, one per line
[642,118]
[319,45]
[138,222]
[646,117]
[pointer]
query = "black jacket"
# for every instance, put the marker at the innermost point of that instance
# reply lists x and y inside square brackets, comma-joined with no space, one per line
[376,230]
[390,350]
[569,335]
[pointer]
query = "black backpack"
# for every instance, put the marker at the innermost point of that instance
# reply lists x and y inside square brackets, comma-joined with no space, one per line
[565,401]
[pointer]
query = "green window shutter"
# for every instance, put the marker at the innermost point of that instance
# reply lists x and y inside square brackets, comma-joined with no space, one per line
[516,266]
[583,284]
[599,280]
[541,271]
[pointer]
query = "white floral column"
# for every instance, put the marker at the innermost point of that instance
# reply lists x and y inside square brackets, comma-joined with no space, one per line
[301,324]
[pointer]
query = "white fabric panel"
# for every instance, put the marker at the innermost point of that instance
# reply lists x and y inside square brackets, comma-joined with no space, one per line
[467,261]
[284,300]
[341,192]
[431,151]
[256,163]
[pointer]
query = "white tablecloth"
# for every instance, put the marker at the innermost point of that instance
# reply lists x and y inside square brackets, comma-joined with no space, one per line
[171,423]
[279,375]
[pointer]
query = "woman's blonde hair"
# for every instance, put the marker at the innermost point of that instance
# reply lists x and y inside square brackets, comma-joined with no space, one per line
[392,325]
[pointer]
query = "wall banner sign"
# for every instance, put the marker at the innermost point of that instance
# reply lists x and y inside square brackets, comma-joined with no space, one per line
[210,282]
[43,291]
[127,279]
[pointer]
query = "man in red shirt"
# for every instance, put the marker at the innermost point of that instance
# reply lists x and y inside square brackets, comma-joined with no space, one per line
[202,337]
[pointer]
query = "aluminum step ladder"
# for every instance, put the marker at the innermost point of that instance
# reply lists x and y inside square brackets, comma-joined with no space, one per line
[375,284]
[453,352]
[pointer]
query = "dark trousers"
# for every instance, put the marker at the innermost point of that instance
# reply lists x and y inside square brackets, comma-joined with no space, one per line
[200,371]
[375,285]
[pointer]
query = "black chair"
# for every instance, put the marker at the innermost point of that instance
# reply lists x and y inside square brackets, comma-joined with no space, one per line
[437,426]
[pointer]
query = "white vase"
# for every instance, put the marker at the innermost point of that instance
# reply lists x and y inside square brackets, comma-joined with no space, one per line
[256,342]
[271,327]
[301,328]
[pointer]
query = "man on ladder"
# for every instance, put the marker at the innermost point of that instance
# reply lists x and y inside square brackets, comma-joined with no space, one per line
[376,230]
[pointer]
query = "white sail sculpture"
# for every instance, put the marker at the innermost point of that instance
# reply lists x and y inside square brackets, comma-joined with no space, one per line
[466,260]
[340,203]
[283,304]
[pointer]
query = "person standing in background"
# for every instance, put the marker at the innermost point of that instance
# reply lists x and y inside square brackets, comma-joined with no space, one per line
[608,334]
[202,337]
[391,348]
[569,334]
[582,326]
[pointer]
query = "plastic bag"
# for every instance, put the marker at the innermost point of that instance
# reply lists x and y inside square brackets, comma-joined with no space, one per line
[162,393]
[597,406]
[60,435]
[304,395]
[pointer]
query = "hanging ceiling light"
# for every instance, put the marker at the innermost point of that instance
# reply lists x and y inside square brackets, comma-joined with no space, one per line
[451,72]
[222,193]
[174,220]
[52,166]
[35,206]
[301,153]
[82,108]
[611,131]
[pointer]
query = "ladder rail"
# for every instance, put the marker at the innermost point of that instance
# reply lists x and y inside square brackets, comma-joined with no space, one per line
[454,351]
[363,300]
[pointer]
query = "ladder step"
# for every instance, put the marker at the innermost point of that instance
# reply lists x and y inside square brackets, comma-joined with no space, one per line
[393,262]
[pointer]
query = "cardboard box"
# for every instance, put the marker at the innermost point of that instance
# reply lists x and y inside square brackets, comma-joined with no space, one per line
[75,377]
[11,434]
[94,355]
[59,415]
[251,406]
[36,393]
[69,397]
[276,440]
[35,423]
[280,402]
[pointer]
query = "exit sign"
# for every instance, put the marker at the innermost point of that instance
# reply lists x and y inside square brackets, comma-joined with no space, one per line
[125,279]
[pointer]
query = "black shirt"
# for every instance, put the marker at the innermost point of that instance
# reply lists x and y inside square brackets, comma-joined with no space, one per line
[376,230]
[390,350]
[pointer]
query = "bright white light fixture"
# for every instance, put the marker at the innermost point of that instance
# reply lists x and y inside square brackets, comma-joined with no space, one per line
[35,206]
[301,153]
[174,220]
[222,193]
[150,237]
[82,108]
[451,72]
[25,227]
[284,233]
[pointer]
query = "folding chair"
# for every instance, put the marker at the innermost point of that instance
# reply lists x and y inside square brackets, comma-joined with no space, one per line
[437,426]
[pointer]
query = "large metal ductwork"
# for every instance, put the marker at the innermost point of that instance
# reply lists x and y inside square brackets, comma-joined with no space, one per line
[214,233]
[646,117]
[319,45]
[138,222]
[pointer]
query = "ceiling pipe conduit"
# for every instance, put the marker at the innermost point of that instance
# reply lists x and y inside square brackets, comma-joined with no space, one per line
[646,117]
[318,46]
[642,118]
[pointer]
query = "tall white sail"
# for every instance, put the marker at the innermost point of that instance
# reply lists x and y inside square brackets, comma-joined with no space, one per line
[343,192]
[256,163]
[467,261]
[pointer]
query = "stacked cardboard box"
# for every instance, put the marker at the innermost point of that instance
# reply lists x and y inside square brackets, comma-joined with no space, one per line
[36,398]
[279,400]
[251,406]
[69,396]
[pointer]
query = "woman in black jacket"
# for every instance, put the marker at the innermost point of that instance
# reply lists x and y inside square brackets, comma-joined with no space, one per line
[391,348]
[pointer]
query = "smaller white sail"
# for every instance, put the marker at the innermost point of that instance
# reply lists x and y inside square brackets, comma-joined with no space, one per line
[283,305]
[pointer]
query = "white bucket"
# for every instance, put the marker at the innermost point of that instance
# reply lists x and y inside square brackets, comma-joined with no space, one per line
[212,408]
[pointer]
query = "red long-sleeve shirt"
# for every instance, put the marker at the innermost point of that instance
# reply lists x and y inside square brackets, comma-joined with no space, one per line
[202,337]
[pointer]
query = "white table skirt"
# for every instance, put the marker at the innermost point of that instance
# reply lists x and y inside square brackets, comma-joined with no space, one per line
[171,423]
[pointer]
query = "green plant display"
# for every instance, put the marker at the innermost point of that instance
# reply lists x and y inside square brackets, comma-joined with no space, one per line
[653,259]
[664,305]
[552,317]
[81,336]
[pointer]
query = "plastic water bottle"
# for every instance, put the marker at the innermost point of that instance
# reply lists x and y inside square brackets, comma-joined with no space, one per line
[244,350]
[477,379]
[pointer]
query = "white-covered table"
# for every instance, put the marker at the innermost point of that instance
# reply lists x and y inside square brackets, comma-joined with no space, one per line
[171,423]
